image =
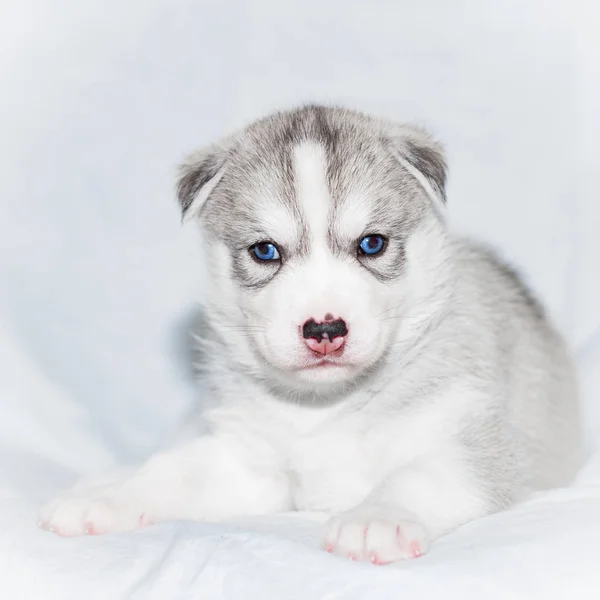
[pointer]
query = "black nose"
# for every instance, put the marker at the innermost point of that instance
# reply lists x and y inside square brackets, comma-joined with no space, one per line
[327,329]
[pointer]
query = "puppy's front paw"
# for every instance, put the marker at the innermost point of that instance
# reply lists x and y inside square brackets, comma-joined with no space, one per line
[377,535]
[93,511]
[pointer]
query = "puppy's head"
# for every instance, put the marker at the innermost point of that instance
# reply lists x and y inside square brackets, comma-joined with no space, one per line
[324,241]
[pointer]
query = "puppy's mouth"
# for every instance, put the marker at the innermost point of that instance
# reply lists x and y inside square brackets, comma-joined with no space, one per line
[323,363]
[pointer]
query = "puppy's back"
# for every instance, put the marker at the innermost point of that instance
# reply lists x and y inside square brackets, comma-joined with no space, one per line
[514,331]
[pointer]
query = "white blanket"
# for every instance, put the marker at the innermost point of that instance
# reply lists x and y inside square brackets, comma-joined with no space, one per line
[97,279]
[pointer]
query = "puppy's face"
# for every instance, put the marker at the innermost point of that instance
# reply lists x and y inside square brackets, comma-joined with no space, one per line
[323,242]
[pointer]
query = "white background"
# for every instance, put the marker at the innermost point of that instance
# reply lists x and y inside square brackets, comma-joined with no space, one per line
[100,99]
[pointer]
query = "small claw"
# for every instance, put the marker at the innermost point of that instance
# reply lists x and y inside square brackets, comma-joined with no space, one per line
[415,549]
[145,521]
[375,560]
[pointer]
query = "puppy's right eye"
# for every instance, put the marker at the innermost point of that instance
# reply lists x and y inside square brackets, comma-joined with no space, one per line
[265,251]
[371,245]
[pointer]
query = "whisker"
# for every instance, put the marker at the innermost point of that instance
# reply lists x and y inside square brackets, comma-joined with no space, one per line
[241,330]
[242,327]
[249,311]
[398,317]
[417,305]
[389,309]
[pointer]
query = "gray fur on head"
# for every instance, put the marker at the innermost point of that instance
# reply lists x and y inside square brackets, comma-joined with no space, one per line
[283,130]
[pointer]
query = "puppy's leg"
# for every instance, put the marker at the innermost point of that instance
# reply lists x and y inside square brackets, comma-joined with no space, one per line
[405,513]
[211,478]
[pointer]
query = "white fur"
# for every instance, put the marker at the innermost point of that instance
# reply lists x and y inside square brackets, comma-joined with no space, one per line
[312,190]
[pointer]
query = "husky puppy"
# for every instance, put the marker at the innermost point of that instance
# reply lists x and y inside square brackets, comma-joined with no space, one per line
[361,359]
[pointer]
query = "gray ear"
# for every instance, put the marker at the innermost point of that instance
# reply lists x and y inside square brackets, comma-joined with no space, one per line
[422,155]
[199,174]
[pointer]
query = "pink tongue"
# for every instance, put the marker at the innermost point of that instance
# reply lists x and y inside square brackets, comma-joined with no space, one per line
[325,346]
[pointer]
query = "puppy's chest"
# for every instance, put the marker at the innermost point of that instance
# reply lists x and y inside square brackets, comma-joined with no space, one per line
[337,467]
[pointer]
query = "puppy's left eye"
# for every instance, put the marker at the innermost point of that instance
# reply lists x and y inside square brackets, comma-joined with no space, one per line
[371,244]
[265,252]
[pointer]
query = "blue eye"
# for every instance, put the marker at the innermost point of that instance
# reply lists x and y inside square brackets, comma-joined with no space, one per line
[371,244]
[265,251]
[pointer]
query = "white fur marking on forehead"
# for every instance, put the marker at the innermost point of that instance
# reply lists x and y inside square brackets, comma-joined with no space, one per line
[310,169]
